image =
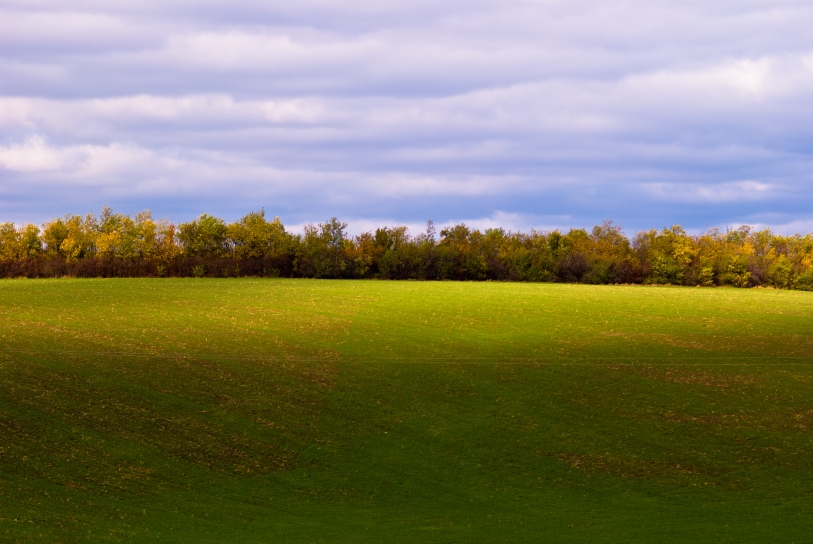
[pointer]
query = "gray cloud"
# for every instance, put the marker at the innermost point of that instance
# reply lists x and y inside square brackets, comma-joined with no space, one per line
[533,113]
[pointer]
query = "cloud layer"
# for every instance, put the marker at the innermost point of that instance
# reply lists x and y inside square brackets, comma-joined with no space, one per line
[534,113]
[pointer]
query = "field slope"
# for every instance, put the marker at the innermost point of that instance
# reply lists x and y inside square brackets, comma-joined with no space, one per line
[330,411]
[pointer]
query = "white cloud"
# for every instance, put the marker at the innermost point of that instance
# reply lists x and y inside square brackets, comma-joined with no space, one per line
[517,222]
[512,222]
[797,226]
[734,191]
[68,30]
[34,155]
[743,79]
[500,112]
[78,165]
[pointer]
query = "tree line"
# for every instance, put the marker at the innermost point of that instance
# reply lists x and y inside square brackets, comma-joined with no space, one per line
[119,245]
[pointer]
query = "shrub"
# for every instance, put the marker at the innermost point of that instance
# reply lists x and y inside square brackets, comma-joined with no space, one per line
[805,281]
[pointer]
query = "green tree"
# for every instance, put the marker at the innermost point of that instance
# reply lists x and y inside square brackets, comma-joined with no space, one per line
[254,237]
[321,252]
[203,237]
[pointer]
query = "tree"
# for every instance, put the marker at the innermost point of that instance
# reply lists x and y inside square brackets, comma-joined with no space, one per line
[72,237]
[203,237]
[321,251]
[254,237]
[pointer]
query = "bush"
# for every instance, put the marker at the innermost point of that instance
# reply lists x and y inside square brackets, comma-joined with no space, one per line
[805,281]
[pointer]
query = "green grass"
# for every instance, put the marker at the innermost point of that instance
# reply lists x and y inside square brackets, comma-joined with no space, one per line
[330,411]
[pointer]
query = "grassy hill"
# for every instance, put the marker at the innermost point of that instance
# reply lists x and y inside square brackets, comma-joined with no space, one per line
[359,411]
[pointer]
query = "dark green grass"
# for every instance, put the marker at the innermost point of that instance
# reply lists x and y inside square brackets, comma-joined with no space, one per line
[322,411]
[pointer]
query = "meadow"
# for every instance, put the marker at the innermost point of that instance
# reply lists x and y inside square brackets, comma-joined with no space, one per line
[271,410]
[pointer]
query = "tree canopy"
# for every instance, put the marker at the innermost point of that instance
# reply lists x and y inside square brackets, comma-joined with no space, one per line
[116,244]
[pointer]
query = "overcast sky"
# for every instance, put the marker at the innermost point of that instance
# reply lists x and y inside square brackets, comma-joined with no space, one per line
[515,113]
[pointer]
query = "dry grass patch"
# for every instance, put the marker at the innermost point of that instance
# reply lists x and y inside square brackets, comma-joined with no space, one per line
[685,376]
[635,468]
[799,421]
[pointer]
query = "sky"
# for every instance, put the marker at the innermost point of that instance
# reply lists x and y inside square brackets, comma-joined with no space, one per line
[520,114]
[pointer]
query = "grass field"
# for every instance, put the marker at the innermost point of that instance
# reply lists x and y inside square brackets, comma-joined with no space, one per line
[361,411]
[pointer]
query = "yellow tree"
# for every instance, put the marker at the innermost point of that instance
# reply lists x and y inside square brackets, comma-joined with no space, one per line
[669,255]
[19,243]
[72,237]
[255,237]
